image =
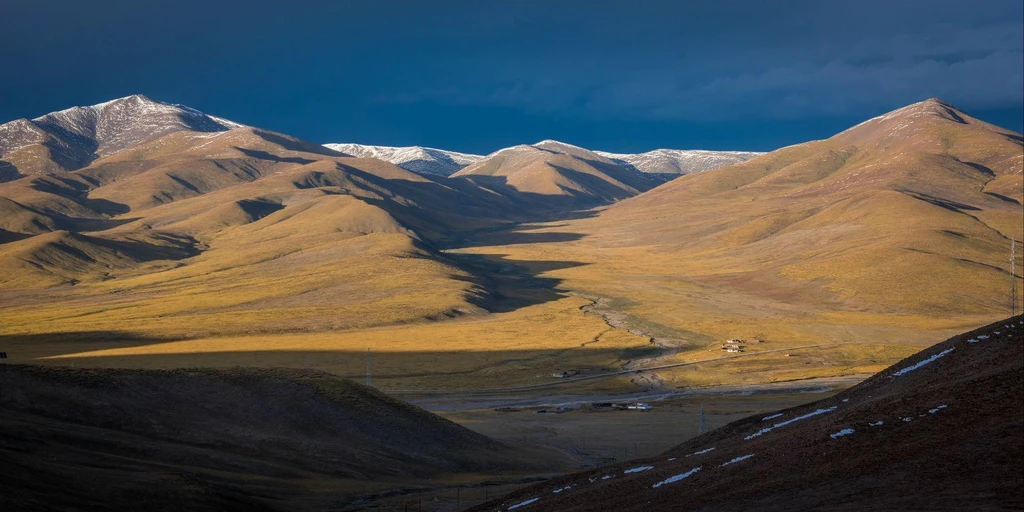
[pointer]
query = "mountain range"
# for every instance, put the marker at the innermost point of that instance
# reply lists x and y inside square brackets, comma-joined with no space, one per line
[440,162]
[153,218]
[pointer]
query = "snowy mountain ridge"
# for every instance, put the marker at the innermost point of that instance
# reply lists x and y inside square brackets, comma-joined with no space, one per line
[440,162]
[679,161]
[432,161]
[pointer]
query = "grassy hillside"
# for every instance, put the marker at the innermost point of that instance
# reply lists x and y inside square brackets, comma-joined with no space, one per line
[209,439]
[888,233]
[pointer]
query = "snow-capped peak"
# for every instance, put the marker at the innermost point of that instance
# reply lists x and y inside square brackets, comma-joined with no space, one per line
[78,135]
[115,125]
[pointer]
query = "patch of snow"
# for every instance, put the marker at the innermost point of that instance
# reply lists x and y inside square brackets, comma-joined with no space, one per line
[606,477]
[787,422]
[737,459]
[876,424]
[637,469]
[702,452]
[982,336]
[841,433]
[926,361]
[937,409]
[972,340]
[566,488]
[672,459]
[846,400]
[908,419]
[772,417]
[523,504]
[676,478]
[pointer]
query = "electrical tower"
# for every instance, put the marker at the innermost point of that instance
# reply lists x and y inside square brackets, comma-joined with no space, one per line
[1014,304]
[702,422]
[368,367]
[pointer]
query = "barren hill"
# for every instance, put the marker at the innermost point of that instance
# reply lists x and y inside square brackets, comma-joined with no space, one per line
[229,439]
[940,430]
[559,173]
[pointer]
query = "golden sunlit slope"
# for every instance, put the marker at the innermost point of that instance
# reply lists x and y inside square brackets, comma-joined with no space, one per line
[903,221]
[231,231]
[558,170]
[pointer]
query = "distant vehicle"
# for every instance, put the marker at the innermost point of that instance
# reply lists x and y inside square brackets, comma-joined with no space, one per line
[639,407]
[567,373]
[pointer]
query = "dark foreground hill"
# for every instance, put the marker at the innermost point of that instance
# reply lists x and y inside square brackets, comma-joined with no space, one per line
[941,430]
[239,439]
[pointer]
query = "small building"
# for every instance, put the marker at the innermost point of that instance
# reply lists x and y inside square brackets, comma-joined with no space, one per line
[733,345]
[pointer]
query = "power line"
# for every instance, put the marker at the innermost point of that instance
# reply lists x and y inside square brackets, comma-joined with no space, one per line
[368,368]
[702,421]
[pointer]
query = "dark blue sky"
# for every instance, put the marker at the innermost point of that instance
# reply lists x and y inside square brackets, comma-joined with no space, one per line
[479,75]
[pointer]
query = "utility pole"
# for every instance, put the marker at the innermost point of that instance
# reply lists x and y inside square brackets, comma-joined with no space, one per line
[1014,306]
[368,368]
[702,422]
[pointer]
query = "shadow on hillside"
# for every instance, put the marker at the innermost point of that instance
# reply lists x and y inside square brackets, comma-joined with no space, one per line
[471,212]
[511,284]
[263,155]
[390,370]
[516,235]
[77,188]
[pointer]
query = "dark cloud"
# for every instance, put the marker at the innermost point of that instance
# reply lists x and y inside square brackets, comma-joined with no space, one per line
[476,75]
[976,67]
